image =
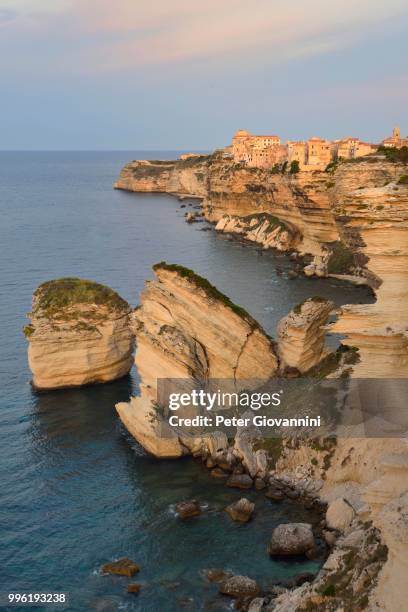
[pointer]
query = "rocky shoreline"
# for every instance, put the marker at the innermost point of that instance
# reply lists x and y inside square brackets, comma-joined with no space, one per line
[351,221]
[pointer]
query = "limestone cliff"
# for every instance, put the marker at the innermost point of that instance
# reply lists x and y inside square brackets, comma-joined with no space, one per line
[79,334]
[186,329]
[300,201]
[261,228]
[353,219]
[374,224]
[301,336]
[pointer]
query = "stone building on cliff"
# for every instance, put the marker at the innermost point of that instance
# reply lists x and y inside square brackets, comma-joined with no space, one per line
[396,140]
[313,154]
[257,151]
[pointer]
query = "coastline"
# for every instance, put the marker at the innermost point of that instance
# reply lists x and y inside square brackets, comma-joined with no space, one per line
[368,274]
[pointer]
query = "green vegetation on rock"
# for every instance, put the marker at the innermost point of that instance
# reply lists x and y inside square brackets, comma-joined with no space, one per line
[28,330]
[294,167]
[332,166]
[403,180]
[394,155]
[63,293]
[341,259]
[212,292]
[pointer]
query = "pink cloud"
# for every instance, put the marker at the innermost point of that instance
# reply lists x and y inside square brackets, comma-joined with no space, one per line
[90,36]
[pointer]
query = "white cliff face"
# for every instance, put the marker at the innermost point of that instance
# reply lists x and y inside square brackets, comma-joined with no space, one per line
[301,334]
[186,329]
[377,219]
[263,229]
[79,334]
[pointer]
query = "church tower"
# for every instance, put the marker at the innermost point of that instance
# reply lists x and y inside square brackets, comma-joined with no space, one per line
[396,133]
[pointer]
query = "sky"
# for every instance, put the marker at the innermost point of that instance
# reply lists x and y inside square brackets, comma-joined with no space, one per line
[185,74]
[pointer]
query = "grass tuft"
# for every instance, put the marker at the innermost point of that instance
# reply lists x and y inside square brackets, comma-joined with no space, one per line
[56,295]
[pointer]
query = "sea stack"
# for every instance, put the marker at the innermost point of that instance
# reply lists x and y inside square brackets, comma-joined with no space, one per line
[187,329]
[79,334]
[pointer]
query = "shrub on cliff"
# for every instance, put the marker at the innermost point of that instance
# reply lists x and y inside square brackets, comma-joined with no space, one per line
[341,259]
[394,155]
[403,180]
[294,167]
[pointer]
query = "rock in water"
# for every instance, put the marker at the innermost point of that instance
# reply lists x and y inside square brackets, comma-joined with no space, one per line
[239,587]
[301,337]
[241,510]
[187,509]
[240,481]
[217,575]
[134,588]
[121,567]
[275,494]
[79,334]
[292,539]
[188,330]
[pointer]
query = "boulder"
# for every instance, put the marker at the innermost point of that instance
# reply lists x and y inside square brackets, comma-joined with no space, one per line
[292,539]
[340,514]
[257,604]
[240,481]
[121,567]
[217,575]
[215,442]
[239,587]
[188,509]
[218,473]
[259,484]
[134,588]
[274,494]
[241,510]
[329,537]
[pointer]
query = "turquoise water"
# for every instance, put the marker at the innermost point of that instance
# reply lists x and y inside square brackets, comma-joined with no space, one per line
[75,490]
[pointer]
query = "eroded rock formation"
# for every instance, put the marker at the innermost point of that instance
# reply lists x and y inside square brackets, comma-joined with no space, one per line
[79,334]
[301,336]
[187,329]
[263,229]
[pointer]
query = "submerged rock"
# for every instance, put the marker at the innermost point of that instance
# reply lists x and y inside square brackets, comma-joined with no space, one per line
[187,509]
[219,473]
[134,588]
[240,481]
[239,587]
[121,567]
[259,484]
[241,510]
[275,494]
[79,334]
[292,539]
[217,575]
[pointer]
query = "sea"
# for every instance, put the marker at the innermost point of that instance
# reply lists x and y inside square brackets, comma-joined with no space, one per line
[76,490]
